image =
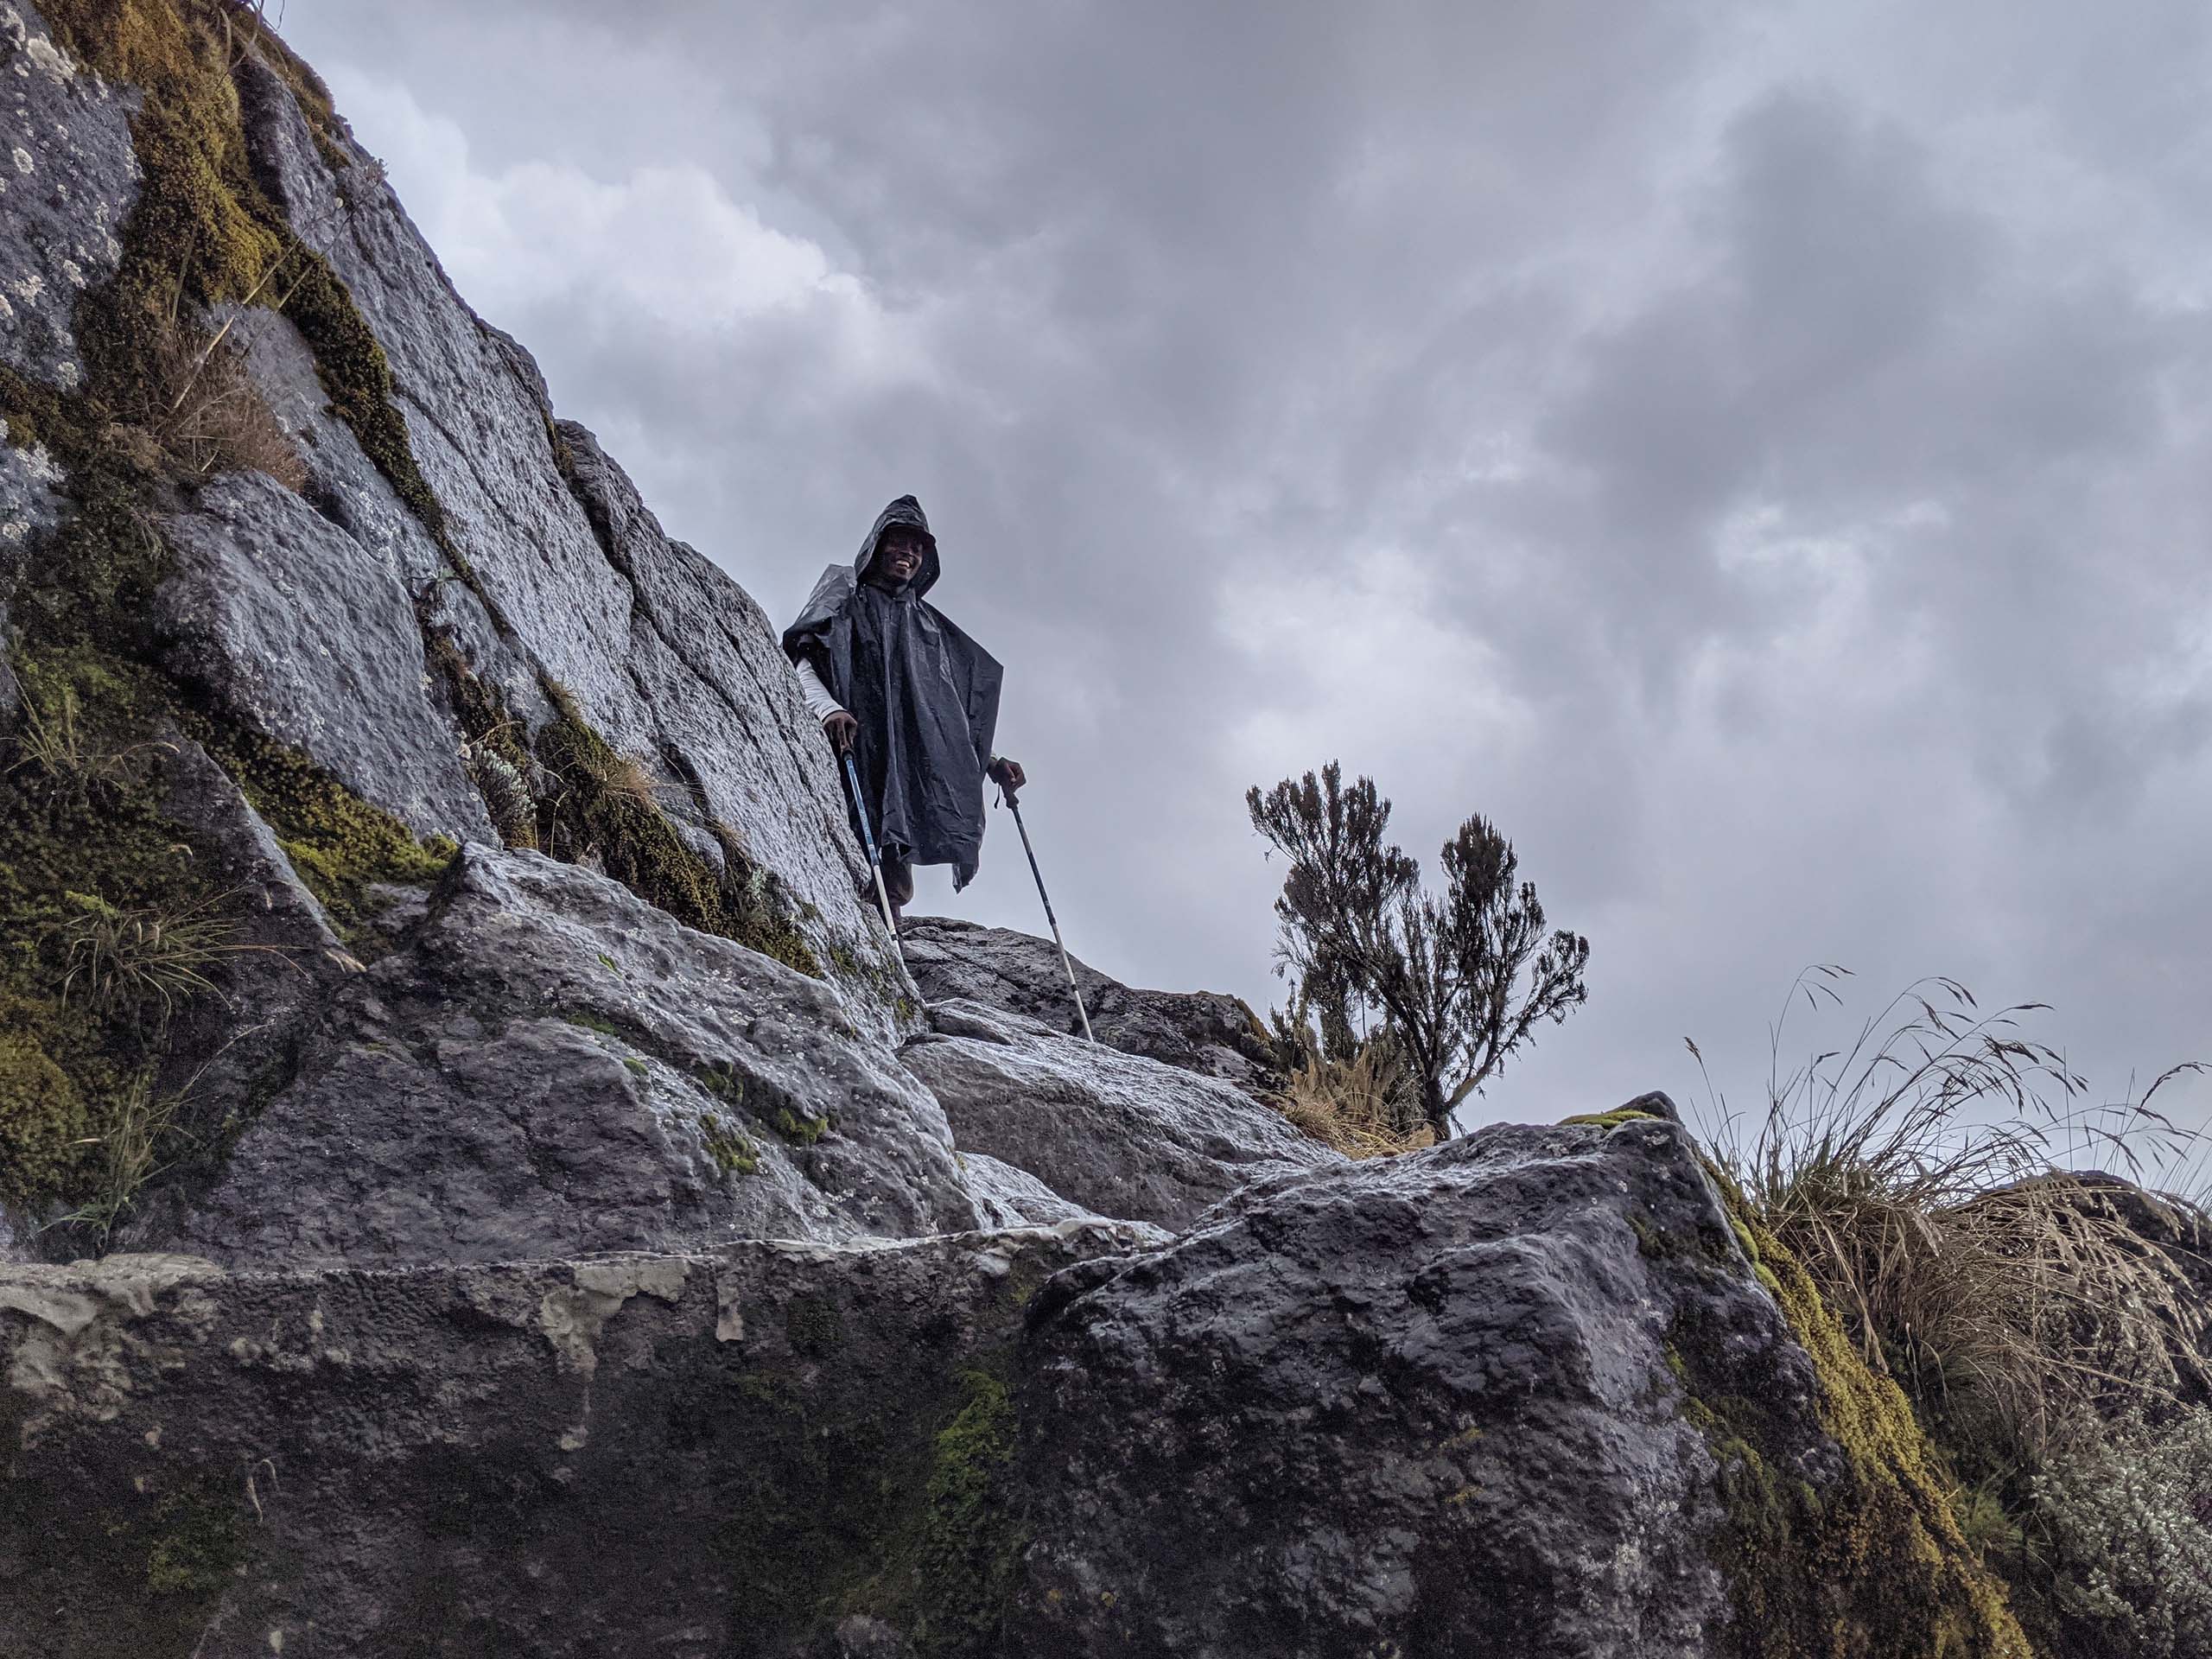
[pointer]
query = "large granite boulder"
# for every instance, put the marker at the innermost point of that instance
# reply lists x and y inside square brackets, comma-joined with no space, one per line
[688,1457]
[543,1064]
[1523,1396]
[1118,1134]
[1205,1031]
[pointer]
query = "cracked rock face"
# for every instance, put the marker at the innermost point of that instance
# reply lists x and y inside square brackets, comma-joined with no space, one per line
[558,577]
[545,1065]
[1116,1133]
[272,612]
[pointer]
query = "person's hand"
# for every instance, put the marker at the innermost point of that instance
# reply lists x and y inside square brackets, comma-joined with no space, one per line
[1007,775]
[842,729]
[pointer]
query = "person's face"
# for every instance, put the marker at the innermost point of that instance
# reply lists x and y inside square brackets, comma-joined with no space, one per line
[898,555]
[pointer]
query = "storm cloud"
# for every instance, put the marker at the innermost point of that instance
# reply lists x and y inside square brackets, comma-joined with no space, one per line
[1756,454]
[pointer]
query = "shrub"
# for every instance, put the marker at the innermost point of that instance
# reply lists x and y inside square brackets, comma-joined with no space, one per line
[2126,1507]
[1460,980]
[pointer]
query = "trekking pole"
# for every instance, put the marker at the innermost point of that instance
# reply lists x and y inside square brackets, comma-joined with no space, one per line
[1067,961]
[874,856]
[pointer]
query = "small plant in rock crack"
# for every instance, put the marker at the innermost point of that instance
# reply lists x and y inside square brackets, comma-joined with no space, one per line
[135,961]
[54,740]
[144,1128]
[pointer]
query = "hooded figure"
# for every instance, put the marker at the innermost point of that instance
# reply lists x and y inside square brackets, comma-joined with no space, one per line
[915,699]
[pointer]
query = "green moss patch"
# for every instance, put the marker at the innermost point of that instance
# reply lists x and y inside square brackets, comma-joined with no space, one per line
[606,808]
[1873,1564]
[910,1516]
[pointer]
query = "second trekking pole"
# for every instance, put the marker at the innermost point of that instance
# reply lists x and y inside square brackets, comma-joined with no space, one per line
[875,856]
[1006,795]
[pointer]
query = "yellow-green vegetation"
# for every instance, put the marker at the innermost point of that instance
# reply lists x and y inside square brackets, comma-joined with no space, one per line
[608,807]
[1613,1118]
[726,1144]
[1874,1561]
[2021,1310]
[109,918]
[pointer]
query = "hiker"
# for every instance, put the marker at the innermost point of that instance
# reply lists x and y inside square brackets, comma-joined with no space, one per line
[915,700]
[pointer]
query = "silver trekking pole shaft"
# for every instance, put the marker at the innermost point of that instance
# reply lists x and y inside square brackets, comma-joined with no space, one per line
[874,856]
[1006,795]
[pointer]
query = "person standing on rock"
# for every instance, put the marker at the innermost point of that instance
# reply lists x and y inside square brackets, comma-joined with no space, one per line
[913,698]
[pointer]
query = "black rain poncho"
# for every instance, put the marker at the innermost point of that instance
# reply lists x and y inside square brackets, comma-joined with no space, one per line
[926,696]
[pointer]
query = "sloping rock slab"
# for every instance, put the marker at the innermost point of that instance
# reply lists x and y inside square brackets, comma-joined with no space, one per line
[1420,1406]
[547,1065]
[1120,1135]
[678,1457]
[1205,1031]
[294,629]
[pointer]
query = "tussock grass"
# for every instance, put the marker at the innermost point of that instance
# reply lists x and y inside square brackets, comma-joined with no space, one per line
[134,961]
[1359,1106]
[129,1155]
[1924,1174]
[2045,1320]
[209,418]
[52,739]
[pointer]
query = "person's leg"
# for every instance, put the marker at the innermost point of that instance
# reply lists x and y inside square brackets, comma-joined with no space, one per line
[898,885]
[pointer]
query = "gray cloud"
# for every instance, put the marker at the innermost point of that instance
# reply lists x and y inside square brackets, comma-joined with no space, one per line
[1755,455]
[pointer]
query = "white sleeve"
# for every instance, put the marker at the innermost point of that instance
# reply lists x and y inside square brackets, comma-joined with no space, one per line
[816,694]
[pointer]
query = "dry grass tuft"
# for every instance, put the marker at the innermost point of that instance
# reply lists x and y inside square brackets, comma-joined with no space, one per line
[1917,1173]
[209,417]
[1360,1106]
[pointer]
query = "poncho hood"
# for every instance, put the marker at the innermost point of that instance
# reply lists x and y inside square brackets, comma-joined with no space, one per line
[907,512]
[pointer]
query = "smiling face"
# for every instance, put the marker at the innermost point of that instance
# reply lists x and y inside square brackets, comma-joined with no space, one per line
[898,557]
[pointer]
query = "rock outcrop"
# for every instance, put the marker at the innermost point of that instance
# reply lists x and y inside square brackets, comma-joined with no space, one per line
[1120,1136]
[1205,1031]
[544,1065]
[540,1215]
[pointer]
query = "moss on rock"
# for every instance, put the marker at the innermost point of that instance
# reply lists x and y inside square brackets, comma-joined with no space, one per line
[1872,1563]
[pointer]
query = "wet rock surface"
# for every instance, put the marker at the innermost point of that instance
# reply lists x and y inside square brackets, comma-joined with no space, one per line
[274,614]
[1205,1031]
[1418,1405]
[685,1456]
[1113,1133]
[544,1065]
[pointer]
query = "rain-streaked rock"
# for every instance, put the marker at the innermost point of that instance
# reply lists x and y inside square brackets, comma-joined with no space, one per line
[546,1066]
[1116,1133]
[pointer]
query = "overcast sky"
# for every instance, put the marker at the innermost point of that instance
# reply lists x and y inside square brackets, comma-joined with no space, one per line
[1756,453]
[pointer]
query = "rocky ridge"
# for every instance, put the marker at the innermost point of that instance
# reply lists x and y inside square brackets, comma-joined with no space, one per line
[565,1230]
